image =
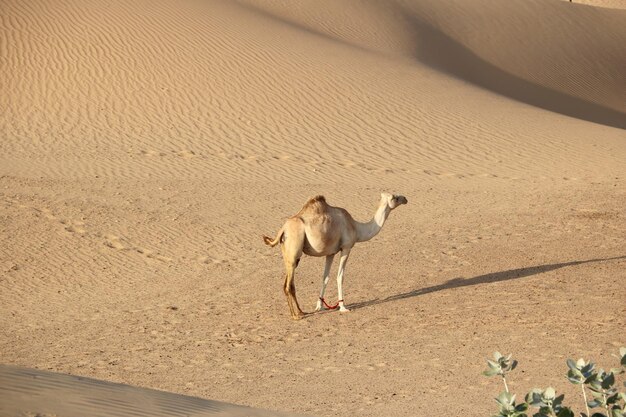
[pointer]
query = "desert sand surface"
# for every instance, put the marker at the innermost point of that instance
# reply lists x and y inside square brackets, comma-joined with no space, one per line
[148,145]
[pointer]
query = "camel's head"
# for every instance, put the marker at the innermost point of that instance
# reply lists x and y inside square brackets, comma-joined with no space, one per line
[393,200]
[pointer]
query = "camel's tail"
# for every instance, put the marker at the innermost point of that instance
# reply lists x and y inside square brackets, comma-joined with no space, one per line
[268,240]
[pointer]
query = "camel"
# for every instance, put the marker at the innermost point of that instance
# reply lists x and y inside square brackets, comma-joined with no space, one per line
[320,229]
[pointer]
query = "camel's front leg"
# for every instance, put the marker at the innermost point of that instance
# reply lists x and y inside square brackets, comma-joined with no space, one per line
[325,278]
[342,267]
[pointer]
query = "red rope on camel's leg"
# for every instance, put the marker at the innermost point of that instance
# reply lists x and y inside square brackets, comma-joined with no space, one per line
[329,306]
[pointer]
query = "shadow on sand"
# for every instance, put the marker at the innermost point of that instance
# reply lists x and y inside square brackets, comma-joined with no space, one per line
[439,51]
[480,279]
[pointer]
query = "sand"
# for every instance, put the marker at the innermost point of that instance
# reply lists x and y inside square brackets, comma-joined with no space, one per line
[54,394]
[146,147]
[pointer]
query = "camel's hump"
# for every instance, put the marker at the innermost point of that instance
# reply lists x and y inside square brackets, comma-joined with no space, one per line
[316,199]
[314,204]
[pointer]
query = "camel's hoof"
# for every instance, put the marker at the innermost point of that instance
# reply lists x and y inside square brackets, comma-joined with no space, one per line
[344,310]
[299,316]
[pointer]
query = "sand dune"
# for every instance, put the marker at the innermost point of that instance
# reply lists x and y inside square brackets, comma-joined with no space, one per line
[138,88]
[58,394]
[561,65]
[146,146]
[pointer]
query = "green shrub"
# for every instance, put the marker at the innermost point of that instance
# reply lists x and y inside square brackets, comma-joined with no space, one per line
[600,383]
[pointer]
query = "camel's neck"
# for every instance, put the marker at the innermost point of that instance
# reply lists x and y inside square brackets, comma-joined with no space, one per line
[366,231]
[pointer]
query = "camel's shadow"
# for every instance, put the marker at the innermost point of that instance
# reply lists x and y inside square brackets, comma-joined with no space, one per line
[480,279]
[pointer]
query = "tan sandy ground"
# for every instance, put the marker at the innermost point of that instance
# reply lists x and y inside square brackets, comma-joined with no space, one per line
[146,147]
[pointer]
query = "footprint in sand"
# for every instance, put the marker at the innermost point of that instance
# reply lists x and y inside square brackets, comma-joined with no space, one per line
[46,213]
[118,243]
[152,255]
[209,260]
[151,153]
[114,242]
[186,154]
[74,226]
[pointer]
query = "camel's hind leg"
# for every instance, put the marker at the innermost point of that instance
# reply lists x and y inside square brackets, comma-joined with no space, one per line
[292,245]
[290,292]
